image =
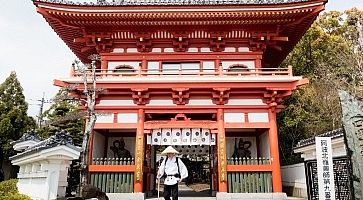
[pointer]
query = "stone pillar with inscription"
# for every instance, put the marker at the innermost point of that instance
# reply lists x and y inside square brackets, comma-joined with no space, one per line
[352,111]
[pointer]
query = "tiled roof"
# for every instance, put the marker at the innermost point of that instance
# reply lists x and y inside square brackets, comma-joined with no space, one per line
[170,2]
[29,135]
[60,138]
[309,141]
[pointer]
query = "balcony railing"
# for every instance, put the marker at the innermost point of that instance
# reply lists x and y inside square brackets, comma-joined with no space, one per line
[251,72]
[169,2]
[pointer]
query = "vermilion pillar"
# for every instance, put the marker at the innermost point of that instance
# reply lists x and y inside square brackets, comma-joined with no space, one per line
[139,151]
[221,144]
[274,152]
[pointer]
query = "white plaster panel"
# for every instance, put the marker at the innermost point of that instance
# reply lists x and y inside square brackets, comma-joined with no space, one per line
[168,50]
[258,117]
[98,145]
[35,188]
[193,50]
[121,102]
[234,117]
[205,49]
[161,102]
[129,145]
[249,63]
[118,50]
[231,145]
[264,145]
[157,50]
[200,102]
[134,64]
[153,66]
[127,117]
[229,49]
[243,49]
[245,102]
[208,66]
[294,176]
[131,50]
[104,118]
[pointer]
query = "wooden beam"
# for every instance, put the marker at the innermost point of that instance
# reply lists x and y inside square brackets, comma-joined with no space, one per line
[249,168]
[111,168]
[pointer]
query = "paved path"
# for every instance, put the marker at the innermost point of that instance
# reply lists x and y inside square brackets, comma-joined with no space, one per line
[186,193]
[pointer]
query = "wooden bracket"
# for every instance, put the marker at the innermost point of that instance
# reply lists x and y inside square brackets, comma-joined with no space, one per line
[220,96]
[180,44]
[180,96]
[102,42]
[217,44]
[140,96]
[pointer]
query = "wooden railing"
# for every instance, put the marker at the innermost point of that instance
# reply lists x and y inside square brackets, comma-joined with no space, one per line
[188,72]
[113,175]
[248,161]
[249,175]
[113,161]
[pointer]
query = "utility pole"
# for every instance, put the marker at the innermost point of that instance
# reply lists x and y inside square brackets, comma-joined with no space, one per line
[41,105]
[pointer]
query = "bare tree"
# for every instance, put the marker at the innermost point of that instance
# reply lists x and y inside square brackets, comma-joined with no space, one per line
[90,92]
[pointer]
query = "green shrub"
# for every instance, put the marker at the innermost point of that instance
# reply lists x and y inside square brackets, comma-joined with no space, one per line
[9,191]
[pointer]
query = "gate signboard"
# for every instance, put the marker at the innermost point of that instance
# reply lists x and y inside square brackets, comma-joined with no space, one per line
[325,168]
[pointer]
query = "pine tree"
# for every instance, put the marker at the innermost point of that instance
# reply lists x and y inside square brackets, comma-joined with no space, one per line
[14,120]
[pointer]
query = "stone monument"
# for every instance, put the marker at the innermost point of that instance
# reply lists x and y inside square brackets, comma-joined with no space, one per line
[352,110]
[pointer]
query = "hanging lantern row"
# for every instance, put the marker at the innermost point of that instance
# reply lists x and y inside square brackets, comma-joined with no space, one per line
[181,136]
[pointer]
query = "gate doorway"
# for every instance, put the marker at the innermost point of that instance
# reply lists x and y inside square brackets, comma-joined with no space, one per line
[201,169]
[193,136]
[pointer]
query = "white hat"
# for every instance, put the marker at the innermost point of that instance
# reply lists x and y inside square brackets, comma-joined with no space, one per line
[169,149]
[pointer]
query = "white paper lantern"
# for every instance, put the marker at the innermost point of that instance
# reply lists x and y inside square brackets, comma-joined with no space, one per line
[196,136]
[176,136]
[166,136]
[156,137]
[186,136]
[205,137]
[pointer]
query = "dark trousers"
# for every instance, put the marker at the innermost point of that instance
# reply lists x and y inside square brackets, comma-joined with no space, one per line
[171,190]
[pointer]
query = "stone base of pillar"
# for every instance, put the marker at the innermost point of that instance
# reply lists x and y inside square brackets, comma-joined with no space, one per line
[126,196]
[251,196]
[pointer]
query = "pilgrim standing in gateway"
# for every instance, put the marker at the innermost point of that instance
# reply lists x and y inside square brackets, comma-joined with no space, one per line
[174,171]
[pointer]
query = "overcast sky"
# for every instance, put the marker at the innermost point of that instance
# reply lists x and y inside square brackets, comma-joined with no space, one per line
[31,48]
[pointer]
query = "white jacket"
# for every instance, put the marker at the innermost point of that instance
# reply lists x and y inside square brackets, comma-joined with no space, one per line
[171,168]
